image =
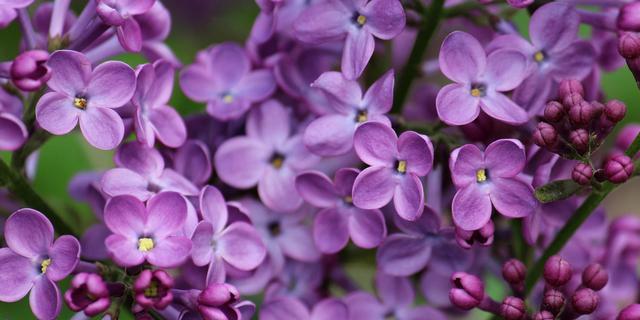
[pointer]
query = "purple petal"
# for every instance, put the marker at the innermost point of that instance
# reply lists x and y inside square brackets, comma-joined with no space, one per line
[573,62]
[395,292]
[379,97]
[92,242]
[143,160]
[13,132]
[55,113]
[499,107]
[202,250]
[513,198]
[346,92]
[173,181]
[374,187]
[456,106]
[64,254]
[256,86]
[408,197]
[344,179]
[330,135]
[330,309]
[367,228]
[417,150]
[170,252]
[193,161]
[16,275]
[322,22]
[471,207]
[422,312]
[130,35]
[269,123]
[121,181]
[197,83]
[464,163]
[213,208]
[216,273]
[160,92]
[316,188]
[166,213]
[102,127]
[240,245]
[358,50]
[168,126]
[241,161]
[505,158]
[462,58]
[228,64]
[297,243]
[45,300]
[112,85]
[554,27]
[330,230]
[362,305]
[506,69]
[403,255]
[70,72]
[284,308]
[385,18]
[376,144]
[28,233]
[277,189]
[125,215]
[428,224]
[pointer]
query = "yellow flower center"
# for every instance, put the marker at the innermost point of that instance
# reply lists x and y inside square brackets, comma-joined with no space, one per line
[476,92]
[402,166]
[361,20]
[481,175]
[152,290]
[80,103]
[348,199]
[145,244]
[361,116]
[277,162]
[538,56]
[44,265]
[227,98]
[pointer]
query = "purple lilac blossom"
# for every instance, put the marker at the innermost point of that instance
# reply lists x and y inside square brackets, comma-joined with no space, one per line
[8,10]
[120,13]
[13,132]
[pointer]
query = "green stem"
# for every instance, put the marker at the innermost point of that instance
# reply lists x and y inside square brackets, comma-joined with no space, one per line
[519,245]
[20,187]
[431,18]
[580,216]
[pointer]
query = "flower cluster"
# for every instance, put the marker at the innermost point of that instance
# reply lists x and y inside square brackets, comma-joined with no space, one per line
[318,164]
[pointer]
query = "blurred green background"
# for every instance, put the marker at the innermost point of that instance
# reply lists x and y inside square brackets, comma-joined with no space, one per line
[196,25]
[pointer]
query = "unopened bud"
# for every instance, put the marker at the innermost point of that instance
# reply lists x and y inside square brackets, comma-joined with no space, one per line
[629,17]
[615,110]
[585,301]
[595,277]
[631,312]
[483,236]
[582,113]
[29,71]
[545,135]
[514,271]
[557,271]
[570,86]
[629,45]
[512,308]
[582,174]
[543,315]
[572,99]
[553,301]
[554,111]
[467,290]
[618,168]
[579,139]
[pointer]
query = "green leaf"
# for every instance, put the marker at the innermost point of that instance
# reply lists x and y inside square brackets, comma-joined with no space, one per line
[557,190]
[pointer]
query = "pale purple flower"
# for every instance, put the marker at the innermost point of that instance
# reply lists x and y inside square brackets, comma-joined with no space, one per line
[217,242]
[216,301]
[269,156]
[88,96]
[395,167]
[489,178]
[120,13]
[193,161]
[396,299]
[300,280]
[339,219]
[147,233]
[141,173]
[153,117]
[222,77]
[287,308]
[34,262]
[355,21]
[8,10]
[480,81]
[332,134]
[13,132]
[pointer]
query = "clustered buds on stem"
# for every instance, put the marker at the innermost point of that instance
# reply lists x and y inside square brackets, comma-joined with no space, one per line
[483,236]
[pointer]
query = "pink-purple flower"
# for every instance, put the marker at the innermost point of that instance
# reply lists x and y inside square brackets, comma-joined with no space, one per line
[120,13]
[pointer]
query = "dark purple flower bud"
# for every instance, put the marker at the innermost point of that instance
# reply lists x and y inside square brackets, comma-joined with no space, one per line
[545,135]
[553,300]
[514,271]
[512,308]
[618,168]
[29,71]
[557,271]
[585,301]
[467,291]
[554,111]
[571,86]
[629,45]
[629,17]
[572,99]
[482,236]
[543,315]
[582,173]
[88,293]
[579,139]
[153,289]
[615,110]
[595,277]
[582,113]
[215,301]
[631,312]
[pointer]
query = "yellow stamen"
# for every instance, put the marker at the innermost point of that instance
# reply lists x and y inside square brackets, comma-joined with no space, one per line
[348,199]
[227,98]
[277,162]
[481,175]
[80,103]
[362,116]
[361,20]
[402,166]
[538,56]
[152,290]
[44,265]
[476,92]
[145,244]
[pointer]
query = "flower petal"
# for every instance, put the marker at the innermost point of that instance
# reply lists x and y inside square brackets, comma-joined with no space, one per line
[256,85]
[55,113]
[70,72]
[408,198]
[345,92]
[102,127]
[330,309]
[269,123]
[330,135]
[464,164]
[168,126]
[554,26]
[376,144]
[396,292]
[374,188]
[166,213]
[284,308]
[213,208]
[125,215]
[417,150]
[456,106]
[112,85]
[130,35]
[330,230]
[367,228]
[385,18]
[240,245]
[322,22]
[16,275]
[513,198]
[362,305]
[196,83]
[241,161]
[297,243]
[120,181]
[28,233]
[173,181]
[379,97]
[462,58]
[277,189]
[45,300]
[471,208]
[505,158]
[202,250]
[140,158]
[193,161]
[358,50]
[506,69]
[573,62]
[316,188]
[64,254]
[13,132]
[170,252]
[499,107]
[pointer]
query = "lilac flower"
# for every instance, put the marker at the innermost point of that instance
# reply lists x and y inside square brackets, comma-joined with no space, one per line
[29,70]
[332,134]
[13,132]
[193,161]
[480,81]
[88,293]
[268,156]
[217,242]
[153,117]
[216,301]
[147,233]
[153,289]
[483,179]
[8,10]
[142,173]
[285,308]
[300,280]
[222,77]
[120,13]
[555,53]
[396,165]
[396,299]
[355,21]
[86,96]
[339,219]
[34,262]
